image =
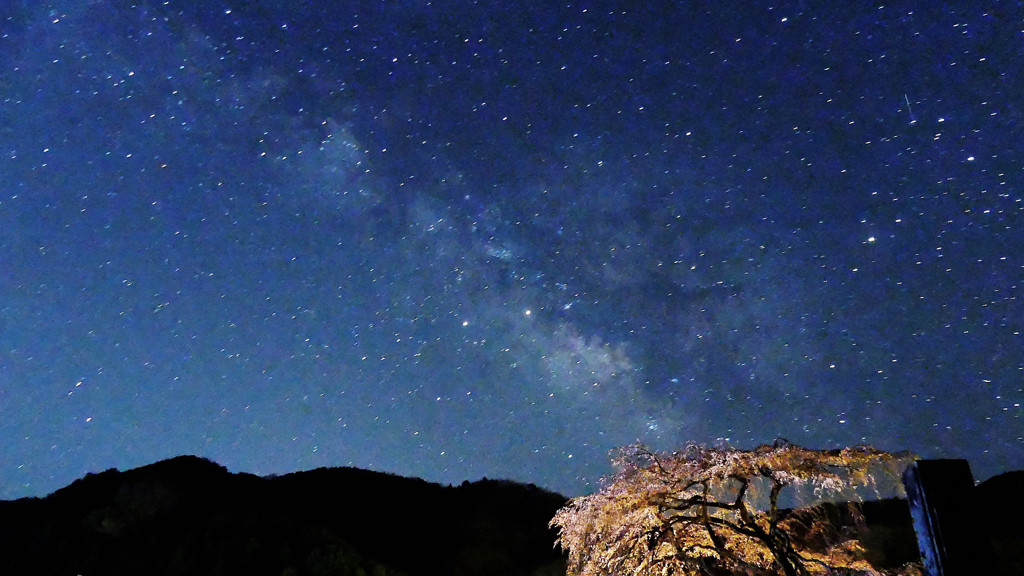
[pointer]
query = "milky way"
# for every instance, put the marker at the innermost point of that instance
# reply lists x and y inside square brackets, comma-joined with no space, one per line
[455,240]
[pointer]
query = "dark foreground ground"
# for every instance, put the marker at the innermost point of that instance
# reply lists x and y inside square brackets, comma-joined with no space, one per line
[191,516]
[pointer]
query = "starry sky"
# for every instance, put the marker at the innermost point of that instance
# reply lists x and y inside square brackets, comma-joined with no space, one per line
[464,239]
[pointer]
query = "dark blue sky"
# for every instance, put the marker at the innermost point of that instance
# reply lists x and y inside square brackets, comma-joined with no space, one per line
[454,240]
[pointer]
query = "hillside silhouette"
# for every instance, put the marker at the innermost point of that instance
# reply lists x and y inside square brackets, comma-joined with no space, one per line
[188,515]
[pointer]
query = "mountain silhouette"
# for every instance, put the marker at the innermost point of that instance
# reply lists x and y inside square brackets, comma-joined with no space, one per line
[188,515]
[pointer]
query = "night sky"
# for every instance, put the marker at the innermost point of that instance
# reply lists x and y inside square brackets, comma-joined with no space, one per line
[464,239]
